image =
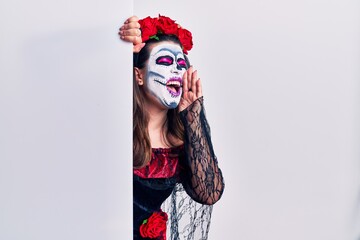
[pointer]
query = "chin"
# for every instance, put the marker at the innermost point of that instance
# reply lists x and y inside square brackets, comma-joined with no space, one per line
[172,105]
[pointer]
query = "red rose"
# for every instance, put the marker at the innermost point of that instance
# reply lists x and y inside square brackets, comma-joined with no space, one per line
[167,26]
[155,226]
[185,38]
[148,28]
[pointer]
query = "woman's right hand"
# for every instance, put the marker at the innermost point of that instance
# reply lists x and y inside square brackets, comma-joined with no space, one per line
[130,32]
[191,90]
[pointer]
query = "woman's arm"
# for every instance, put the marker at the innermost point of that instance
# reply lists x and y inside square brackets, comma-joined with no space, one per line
[202,178]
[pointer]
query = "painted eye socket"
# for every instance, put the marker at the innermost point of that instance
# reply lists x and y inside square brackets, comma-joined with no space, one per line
[181,62]
[164,60]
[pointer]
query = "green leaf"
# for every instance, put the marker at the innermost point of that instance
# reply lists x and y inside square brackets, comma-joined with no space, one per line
[145,221]
[154,37]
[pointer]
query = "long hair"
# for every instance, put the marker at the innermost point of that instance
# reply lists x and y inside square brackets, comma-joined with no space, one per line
[172,126]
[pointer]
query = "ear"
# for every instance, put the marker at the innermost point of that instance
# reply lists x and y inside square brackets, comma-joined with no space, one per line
[139,76]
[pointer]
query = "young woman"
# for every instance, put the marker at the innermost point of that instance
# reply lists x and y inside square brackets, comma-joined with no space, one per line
[172,151]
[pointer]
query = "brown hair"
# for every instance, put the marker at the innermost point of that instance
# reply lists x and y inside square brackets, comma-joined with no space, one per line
[172,128]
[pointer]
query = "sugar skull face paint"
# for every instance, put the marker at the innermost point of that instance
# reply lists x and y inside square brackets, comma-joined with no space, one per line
[166,67]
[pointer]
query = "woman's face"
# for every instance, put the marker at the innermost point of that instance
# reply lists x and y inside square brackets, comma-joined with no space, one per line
[165,69]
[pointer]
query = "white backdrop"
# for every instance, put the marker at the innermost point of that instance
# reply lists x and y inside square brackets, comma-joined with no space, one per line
[281,85]
[65,121]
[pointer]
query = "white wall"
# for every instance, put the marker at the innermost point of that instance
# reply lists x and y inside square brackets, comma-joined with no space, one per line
[281,85]
[65,121]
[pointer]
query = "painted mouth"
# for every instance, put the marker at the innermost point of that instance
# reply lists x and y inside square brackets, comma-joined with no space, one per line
[173,85]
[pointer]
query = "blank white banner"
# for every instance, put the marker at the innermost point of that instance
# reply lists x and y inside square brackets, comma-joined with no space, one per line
[65,121]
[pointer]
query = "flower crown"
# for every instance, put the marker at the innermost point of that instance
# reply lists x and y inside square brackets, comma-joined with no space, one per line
[151,27]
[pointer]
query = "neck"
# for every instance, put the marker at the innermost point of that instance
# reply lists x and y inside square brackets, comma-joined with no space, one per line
[157,119]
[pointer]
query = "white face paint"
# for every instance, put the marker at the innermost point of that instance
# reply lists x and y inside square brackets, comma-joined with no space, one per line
[166,67]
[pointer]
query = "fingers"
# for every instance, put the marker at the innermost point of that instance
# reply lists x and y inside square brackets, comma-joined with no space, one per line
[130,25]
[188,78]
[185,82]
[130,31]
[191,83]
[196,85]
[132,19]
[198,88]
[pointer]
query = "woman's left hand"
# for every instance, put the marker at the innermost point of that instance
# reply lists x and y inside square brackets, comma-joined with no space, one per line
[191,88]
[130,32]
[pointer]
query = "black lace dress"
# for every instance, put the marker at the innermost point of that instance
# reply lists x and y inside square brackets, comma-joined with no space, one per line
[183,182]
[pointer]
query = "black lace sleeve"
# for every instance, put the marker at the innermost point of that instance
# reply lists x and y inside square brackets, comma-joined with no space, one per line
[202,178]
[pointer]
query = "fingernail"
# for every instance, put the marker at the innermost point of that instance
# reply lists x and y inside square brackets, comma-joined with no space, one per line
[122,28]
[122,37]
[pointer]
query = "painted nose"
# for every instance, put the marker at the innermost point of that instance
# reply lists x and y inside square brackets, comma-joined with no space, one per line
[176,69]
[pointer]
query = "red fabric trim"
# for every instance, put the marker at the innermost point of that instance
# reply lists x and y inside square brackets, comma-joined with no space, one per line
[163,164]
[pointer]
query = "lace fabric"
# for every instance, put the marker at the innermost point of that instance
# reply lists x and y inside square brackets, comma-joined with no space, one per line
[202,178]
[187,193]
[188,219]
